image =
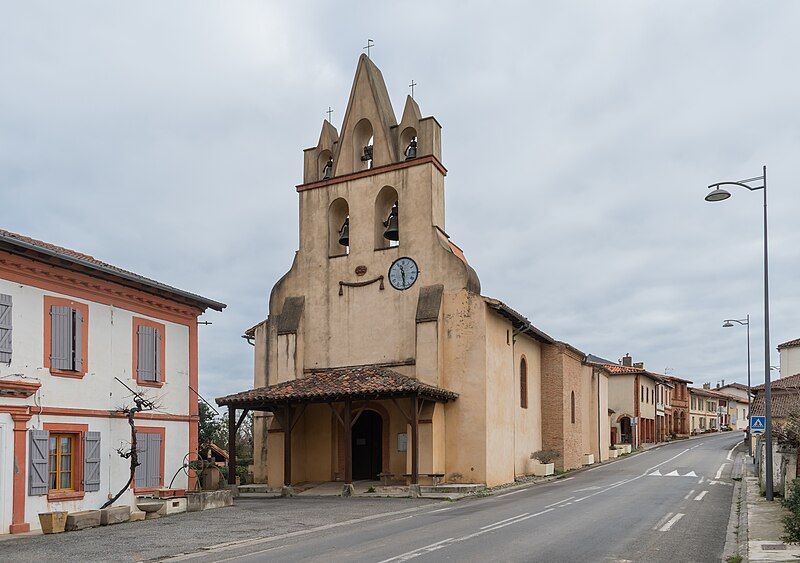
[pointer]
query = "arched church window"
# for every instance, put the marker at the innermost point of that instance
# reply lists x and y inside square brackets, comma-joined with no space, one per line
[572,406]
[339,228]
[523,383]
[408,141]
[387,219]
[362,145]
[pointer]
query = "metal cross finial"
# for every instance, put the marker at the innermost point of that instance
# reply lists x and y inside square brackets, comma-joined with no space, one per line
[370,45]
[412,87]
[329,112]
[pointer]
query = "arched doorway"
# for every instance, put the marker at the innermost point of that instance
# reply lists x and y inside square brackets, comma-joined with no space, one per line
[625,430]
[367,446]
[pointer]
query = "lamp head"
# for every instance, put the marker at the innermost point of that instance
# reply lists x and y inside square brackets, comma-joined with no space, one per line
[727,324]
[717,195]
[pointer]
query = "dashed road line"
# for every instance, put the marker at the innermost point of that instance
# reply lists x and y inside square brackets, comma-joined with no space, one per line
[671,523]
[511,493]
[690,493]
[504,521]
[664,518]
[562,501]
[720,470]
[701,495]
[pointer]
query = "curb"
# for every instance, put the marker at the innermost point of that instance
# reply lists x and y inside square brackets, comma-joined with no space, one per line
[736,538]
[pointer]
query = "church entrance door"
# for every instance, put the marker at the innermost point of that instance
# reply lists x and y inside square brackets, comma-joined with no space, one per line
[367,446]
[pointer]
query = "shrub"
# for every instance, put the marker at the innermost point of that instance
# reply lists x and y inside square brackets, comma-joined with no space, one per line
[546,456]
[791,522]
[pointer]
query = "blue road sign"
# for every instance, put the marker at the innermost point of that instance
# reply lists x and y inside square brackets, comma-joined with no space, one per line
[758,424]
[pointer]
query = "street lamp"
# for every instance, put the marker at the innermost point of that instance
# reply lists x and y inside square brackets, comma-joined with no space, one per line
[746,322]
[717,193]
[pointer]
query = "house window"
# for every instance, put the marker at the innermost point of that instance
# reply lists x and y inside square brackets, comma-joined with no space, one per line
[5,328]
[572,406]
[148,352]
[523,383]
[150,452]
[64,461]
[66,337]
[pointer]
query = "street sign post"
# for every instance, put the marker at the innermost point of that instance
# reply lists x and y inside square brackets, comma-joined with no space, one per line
[758,424]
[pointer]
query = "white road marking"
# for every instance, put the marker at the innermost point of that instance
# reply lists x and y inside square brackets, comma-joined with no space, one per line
[504,521]
[559,502]
[730,452]
[655,473]
[701,495]
[511,493]
[567,479]
[443,509]
[690,493]
[663,519]
[404,518]
[587,489]
[673,473]
[719,471]
[691,474]
[700,482]
[671,523]
[419,551]
[251,553]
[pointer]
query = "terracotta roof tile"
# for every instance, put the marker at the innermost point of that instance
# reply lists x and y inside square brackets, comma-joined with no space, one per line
[782,404]
[337,384]
[791,382]
[790,344]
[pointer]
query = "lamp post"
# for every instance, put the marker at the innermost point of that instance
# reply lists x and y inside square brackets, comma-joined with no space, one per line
[719,194]
[746,322]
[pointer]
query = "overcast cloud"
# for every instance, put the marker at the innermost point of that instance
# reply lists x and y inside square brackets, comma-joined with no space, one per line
[166,138]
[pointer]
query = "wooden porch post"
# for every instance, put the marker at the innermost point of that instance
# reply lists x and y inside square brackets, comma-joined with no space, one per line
[348,441]
[231,445]
[414,440]
[287,445]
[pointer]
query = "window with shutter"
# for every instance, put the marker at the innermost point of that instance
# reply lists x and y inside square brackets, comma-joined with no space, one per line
[5,328]
[66,334]
[148,354]
[37,462]
[91,461]
[149,447]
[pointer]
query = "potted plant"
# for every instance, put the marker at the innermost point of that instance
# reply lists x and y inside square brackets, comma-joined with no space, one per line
[613,452]
[53,522]
[543,462]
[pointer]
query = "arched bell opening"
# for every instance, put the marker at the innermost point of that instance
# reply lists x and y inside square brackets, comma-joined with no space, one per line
[325,164]
[387,226]
[339,228]
[362,145]
[408,142]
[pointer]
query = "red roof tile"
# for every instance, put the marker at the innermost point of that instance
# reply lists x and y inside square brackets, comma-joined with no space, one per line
[782,404]
[362,382]
[790,344]
[791,382]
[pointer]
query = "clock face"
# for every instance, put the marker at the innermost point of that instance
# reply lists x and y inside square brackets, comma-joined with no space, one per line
[403,273]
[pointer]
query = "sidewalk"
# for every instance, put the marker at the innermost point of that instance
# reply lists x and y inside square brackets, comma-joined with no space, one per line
[760,521]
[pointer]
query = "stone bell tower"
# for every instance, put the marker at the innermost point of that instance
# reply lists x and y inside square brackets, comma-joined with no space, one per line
[371,195]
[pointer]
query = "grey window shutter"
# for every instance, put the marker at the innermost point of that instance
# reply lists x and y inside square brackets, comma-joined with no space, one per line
[140,474]
[91,461]
[5,328]
[77,344]
[157,354]
[37,474]
[146,368]
[60,337]
[154,460]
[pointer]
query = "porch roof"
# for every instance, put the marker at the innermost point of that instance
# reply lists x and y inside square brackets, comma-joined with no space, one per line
[337,384]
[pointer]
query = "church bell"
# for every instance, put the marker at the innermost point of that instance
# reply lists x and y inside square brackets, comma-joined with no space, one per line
[344,233]
[392,232]
[327,172]
[411,149]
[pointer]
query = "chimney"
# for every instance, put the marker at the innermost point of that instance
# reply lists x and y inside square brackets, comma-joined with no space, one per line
[706,386]
[627,360]
[639,365]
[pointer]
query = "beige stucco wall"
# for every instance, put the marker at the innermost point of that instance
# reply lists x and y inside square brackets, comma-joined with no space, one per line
[790,361]
[595,432]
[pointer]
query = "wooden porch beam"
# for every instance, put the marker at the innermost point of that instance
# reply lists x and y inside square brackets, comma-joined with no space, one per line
[348,442]
[232,445]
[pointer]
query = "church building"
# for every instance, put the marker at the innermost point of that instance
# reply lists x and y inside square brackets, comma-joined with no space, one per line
[380,357]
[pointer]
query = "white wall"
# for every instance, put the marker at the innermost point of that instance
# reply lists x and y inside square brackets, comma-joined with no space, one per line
[790,361]
[6,470]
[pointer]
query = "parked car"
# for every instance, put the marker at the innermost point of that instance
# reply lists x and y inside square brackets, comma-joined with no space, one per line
[725,428]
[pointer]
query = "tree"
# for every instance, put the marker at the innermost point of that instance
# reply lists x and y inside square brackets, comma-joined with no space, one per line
[212,429]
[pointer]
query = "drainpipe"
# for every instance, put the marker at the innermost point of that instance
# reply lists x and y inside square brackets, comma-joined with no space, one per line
[636,411]
[596,373]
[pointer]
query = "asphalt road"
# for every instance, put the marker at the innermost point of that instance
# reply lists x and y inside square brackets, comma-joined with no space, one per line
[667,504]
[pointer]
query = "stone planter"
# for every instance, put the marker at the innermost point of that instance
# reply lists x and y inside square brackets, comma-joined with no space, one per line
[587,459]
[53,522]
[613,453]
[624,449]
[543,469]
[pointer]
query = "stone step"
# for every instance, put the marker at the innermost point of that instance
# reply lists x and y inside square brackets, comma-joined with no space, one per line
[452,488]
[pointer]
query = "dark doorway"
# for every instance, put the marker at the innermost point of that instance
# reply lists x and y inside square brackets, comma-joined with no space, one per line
[367,446]
[625,430]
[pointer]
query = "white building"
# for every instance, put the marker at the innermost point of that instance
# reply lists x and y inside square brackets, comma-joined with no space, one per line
[790,358]
[69,326]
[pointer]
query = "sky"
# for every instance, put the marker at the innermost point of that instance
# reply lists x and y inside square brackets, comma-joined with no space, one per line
[580,137]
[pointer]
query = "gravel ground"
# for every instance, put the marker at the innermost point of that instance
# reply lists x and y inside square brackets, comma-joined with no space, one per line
[185,533]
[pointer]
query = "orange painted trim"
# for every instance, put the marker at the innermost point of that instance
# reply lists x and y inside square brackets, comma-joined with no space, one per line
[153,430]
[162,349]
[51,301]
[194,409]
[30,410]
[381,169]
[18,389]
[77,457]
[47,277]
[18,524]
